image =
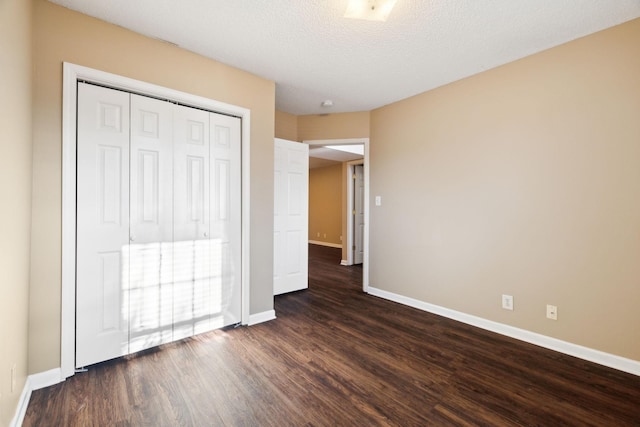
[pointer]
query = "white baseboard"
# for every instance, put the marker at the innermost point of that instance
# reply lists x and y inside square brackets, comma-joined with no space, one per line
[23,403]
[34,382]
[585,353]
[344,262]
[331,245]
[45,379]
[265,316]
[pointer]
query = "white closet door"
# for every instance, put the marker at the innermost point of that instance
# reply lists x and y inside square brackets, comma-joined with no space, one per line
[225,220]
[102,330]
[158,223]
[192,246]
[150,255]
[291,216]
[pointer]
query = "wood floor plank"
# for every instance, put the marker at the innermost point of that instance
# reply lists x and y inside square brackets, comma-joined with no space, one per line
[338,357]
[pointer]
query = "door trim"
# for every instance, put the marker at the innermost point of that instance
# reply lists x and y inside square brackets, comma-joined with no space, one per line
[365,142]
[71,74]
[351,170]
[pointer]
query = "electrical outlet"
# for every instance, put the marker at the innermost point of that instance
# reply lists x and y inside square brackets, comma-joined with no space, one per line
[507,302]
[318,235]
[325,235]
[552,312]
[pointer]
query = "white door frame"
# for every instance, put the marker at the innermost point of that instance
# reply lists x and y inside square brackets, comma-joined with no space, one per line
[71,75]
[365,143]
[351,170]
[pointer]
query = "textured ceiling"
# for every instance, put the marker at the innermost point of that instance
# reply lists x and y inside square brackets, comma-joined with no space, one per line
[313,53]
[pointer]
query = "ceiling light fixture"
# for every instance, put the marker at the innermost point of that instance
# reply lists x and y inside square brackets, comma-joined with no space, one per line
[371,10]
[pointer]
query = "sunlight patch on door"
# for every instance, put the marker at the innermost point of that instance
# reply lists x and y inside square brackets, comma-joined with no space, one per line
[172,290]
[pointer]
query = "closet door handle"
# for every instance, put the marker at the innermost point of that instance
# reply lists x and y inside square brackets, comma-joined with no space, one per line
[132,238]
[206,234]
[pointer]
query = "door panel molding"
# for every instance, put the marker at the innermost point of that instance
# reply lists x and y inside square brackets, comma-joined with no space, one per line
[73,73]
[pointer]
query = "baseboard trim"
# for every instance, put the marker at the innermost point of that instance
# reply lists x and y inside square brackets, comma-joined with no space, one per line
[34,382]
[23,404]
[344,262]
[585,353]
[265,316]
[331,245]
[45,379]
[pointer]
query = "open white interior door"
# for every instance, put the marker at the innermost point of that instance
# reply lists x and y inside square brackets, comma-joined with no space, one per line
[291,216]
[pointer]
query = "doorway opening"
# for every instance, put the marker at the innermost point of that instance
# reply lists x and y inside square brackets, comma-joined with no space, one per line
[328,151]
[355,212]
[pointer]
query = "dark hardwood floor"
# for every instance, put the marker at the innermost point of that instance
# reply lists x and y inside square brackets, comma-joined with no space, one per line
[338,357]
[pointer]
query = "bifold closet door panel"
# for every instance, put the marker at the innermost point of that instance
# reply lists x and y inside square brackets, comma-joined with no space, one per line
[225,232]
[192,247]
[102,330]
[149,284]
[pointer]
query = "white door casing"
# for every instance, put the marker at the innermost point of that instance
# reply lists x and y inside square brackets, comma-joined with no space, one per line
[358,214]
[291,216]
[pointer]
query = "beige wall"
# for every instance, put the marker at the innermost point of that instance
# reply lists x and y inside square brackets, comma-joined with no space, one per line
[329,126]
[286,126]
[333,126]
[523,180]
[15,187]
[325,204]
[62,35]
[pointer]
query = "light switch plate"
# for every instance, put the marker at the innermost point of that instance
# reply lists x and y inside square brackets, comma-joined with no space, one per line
[507,302]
